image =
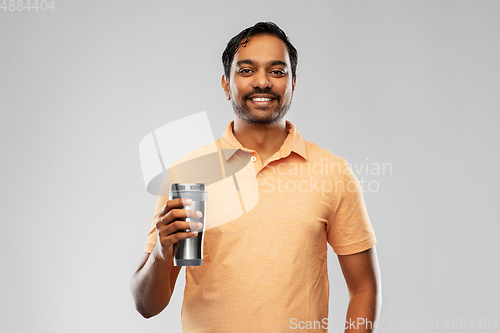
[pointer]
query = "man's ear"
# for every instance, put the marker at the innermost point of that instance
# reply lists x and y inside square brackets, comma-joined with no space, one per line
[225,85]
[293,83]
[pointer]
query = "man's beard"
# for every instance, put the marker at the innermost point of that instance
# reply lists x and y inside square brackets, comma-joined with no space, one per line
[273,115]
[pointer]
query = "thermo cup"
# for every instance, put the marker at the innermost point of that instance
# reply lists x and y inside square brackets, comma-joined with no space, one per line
[190,251]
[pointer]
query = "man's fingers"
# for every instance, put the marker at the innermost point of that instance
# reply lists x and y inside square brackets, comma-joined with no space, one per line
[184,235]
[179,215]
[174,203]
[168,238]
[171,225]
[168,243]
[179,226]
[195,226]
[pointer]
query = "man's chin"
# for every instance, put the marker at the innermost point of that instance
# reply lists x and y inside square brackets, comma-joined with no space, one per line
[256,115]
[268,119]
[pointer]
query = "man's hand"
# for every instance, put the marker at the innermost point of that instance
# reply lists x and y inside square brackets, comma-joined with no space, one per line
[170,230]
[153,282]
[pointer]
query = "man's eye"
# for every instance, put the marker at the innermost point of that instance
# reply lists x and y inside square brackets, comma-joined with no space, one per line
[278,72]
[245,71]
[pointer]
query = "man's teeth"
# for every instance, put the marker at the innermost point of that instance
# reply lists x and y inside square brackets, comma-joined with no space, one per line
[261,99]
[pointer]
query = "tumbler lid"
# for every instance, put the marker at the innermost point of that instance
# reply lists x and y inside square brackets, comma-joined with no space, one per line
[188,187]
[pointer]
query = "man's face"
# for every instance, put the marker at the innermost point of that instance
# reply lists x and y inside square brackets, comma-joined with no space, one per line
[260,86]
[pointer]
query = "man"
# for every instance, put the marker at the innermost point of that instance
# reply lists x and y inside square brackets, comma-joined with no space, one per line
[266,271]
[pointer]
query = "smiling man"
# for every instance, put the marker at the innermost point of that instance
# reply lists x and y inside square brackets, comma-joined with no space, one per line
[260,82]
[266,271]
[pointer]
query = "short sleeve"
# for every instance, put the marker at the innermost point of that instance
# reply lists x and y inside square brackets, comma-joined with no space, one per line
[349,228]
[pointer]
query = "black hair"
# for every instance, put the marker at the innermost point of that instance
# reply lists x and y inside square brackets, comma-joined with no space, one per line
[260,28]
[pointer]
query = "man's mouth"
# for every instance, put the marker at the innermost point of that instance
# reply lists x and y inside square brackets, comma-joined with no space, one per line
[262,102]
[261,99]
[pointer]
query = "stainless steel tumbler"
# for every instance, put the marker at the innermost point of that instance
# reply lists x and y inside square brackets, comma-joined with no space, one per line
[190,251]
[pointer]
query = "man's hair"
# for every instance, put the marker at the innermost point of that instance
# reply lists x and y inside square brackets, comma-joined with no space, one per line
[260,28]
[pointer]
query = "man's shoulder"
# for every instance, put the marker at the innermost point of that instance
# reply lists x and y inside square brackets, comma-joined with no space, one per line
[316,152]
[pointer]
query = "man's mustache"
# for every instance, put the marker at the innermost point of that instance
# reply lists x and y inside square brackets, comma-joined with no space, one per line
[267,91]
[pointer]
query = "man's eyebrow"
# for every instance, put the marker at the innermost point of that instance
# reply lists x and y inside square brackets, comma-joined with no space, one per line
[270,63]
[245,61]
[278,62]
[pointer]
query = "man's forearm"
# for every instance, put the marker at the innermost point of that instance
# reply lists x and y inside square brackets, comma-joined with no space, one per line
[363,312]
[151,287]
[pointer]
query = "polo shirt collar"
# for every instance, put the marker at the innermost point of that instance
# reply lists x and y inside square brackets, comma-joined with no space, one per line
[293,142]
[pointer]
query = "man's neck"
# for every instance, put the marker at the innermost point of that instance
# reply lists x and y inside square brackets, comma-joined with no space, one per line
[265,140]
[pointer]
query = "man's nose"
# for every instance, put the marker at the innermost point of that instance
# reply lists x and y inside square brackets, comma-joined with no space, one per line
[262,80]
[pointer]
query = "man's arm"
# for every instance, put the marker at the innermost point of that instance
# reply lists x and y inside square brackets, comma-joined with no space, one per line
[362,275]
[152,285]
[153,282]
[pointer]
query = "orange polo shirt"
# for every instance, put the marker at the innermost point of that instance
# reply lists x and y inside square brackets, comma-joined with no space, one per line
[267,229]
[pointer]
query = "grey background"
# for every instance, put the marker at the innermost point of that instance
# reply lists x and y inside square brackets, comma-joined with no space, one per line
[410,83]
